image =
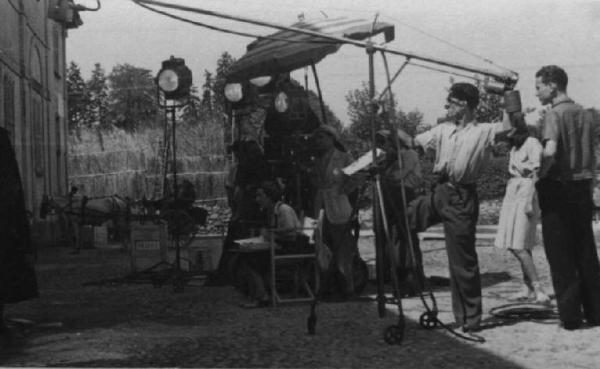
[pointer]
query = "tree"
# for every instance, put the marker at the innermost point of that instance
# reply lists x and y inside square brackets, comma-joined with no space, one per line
[98,95]
[219,81]
[132,97]
[388,115]
[192,111]
[77,98]
[217,86]
[207,92]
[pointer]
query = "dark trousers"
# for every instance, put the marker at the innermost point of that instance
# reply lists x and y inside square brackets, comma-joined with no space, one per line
[395,213]
[344,248]
[570,248]
[457,207]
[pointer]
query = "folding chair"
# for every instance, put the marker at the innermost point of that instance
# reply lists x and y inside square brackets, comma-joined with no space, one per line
[301,261]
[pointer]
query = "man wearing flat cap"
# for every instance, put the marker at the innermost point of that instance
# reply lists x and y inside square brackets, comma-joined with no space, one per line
[332,188]
[462,146]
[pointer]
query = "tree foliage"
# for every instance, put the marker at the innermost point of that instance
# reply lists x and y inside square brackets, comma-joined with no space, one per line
[388,115]
[98,94]
[78,98]
[219,102]
[192,112]
[132,97]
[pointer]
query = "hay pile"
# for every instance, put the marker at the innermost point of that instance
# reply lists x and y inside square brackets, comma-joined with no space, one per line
[129,164]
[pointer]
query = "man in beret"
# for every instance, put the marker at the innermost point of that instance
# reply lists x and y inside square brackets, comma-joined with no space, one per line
[462,146]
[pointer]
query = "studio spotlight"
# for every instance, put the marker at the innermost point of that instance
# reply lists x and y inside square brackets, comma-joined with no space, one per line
[174,79]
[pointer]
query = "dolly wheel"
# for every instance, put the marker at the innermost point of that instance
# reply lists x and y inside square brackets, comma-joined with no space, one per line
[393,335]
[428,320]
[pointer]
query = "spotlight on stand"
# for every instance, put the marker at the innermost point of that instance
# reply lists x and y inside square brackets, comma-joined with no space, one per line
[281,102]
[233,92]
[174,79]
[260,81]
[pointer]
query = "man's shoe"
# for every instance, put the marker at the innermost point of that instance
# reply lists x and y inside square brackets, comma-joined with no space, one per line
[571,326]
[474,329]
[470,334]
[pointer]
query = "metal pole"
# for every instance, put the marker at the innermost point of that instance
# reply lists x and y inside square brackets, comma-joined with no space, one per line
[321,103]
[379,269]
[174,163]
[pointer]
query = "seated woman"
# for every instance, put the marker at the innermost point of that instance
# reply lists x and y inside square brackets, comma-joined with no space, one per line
[283,228]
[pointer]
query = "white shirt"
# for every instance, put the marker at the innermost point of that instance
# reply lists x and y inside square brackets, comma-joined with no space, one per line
[460,152]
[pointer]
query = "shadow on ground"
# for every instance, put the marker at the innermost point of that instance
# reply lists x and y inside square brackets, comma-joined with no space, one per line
[135,325]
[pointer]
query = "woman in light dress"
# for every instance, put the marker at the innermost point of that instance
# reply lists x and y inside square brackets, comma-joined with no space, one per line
[520,212]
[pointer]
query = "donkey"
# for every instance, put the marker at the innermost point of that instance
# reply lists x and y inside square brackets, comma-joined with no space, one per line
[77,211]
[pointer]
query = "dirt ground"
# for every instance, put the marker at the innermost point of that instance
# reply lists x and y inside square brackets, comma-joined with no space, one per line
[138,325]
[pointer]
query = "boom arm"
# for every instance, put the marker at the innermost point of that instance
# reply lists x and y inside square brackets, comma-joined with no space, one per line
[509,78]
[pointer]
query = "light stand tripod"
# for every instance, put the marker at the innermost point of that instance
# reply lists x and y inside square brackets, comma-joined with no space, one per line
[174,81]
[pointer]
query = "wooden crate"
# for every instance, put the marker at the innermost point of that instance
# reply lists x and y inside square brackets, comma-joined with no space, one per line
[205,251]
[148,245]
[100,236]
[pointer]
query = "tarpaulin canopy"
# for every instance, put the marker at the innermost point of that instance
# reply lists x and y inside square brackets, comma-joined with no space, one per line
[285,51]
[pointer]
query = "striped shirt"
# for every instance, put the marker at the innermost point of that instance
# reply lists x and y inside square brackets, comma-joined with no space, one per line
[460,152]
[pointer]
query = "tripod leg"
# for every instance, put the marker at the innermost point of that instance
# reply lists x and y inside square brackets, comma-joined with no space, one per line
[379,259]
[393,334]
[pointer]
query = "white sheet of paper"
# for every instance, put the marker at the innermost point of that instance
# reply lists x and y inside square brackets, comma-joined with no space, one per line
[362,162]
[253,243]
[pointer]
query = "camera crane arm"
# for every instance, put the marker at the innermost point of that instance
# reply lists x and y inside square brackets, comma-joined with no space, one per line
[508,78]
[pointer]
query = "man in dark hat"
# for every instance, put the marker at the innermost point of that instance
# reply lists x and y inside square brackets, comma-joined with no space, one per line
[332,191]
[462,147]
[17,276]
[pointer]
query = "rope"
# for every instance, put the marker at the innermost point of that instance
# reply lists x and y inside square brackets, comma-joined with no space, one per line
[525,311]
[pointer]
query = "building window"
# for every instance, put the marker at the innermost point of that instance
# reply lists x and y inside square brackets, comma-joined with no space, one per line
[9,106]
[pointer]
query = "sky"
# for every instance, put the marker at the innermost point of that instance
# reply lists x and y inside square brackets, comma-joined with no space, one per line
[518,35]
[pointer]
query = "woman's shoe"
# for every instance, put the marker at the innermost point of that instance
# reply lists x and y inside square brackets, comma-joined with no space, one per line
[526,293]
[541,297]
